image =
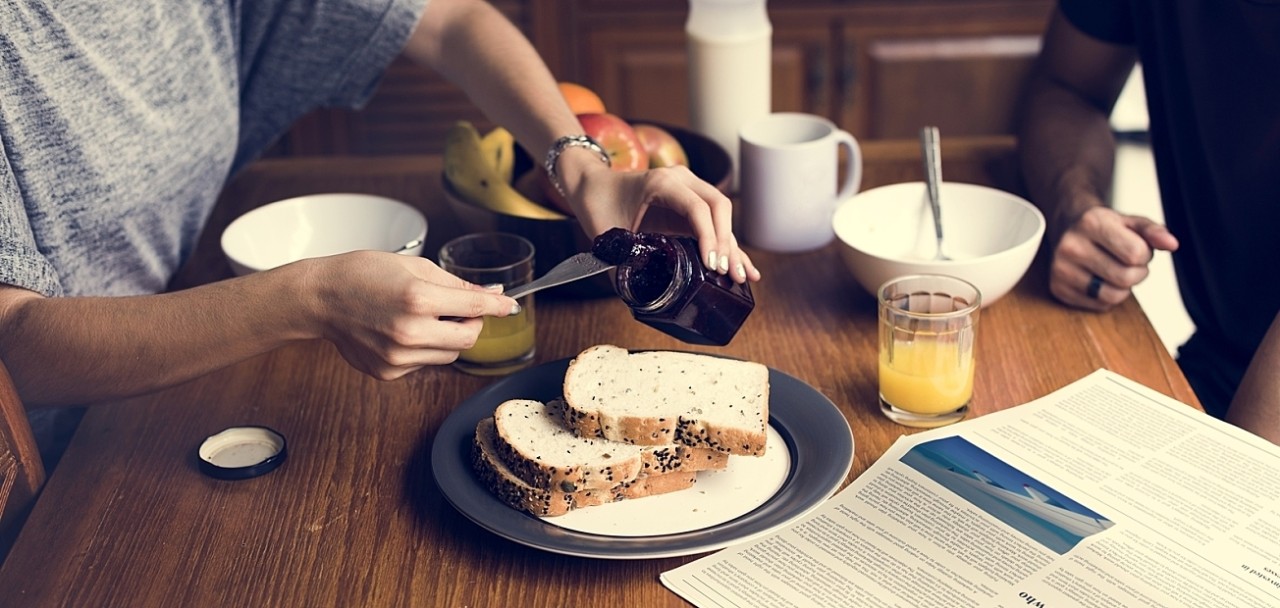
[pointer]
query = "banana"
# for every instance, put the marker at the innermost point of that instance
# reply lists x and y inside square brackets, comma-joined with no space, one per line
[472,175]
[499,149]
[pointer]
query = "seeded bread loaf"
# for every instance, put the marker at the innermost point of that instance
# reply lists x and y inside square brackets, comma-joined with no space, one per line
[544,502]
[663,397]
[534,443]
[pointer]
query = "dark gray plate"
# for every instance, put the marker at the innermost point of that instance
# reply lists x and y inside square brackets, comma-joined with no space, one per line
[816,433]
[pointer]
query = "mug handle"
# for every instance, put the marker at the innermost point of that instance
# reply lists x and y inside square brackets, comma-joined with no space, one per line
[853,165]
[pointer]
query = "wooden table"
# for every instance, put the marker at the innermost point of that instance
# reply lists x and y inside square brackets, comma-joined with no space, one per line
[354,518]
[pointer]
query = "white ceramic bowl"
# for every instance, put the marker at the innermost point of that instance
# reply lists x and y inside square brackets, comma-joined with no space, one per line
[319,225]
[888,232]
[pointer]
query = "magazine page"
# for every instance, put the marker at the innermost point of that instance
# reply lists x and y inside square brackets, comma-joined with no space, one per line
[1102,494]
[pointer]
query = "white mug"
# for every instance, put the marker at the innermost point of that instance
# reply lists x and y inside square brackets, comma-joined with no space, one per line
[790,168]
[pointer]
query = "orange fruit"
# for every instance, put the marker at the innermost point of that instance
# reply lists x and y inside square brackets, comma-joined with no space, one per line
[581,99]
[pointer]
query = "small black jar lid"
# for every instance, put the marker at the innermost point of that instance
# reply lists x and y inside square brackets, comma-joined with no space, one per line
[241,452]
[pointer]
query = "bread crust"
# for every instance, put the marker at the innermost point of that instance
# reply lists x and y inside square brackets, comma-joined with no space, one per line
[543,502]
[533,465]
[506,485]
[672,458]
[586,408]
[621,464]
[646,437]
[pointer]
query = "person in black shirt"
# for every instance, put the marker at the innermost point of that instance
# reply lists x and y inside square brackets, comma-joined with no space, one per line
[1211,70]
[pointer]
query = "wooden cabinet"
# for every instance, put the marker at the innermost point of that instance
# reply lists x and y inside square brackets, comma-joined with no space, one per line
[409,113]
[879,68]
[638,64]
[957,67]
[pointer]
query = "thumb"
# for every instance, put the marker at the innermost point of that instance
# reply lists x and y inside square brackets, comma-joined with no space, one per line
[1154,233]
[480,302]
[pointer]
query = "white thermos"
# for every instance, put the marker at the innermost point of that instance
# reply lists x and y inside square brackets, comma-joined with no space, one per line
[729,69]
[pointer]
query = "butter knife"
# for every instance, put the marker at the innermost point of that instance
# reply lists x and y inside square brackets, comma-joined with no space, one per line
[576,267]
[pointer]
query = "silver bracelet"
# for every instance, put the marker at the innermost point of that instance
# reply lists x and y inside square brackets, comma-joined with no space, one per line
[570,141]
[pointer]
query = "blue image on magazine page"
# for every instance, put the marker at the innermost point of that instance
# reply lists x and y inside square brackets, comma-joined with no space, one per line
[1015,498]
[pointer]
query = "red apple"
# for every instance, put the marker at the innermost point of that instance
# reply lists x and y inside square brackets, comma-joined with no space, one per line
[663,149]
[618,139]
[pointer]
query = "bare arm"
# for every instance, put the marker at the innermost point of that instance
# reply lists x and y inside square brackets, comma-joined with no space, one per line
[381,310]
[476,47]
[1067,153]
[1256,406]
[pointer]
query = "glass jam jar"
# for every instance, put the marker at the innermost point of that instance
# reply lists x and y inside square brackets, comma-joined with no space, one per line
[663,281]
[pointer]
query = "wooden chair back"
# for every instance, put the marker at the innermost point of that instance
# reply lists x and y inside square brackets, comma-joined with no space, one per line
[21,470]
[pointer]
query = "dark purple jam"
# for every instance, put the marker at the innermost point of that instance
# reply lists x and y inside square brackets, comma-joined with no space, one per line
[647,257]
[615,245]
[664,282]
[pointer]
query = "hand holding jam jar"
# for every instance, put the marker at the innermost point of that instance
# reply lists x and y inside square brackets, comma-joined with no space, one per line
[661,278]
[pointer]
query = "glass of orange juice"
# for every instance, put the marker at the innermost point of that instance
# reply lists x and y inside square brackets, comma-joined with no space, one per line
[927,331]
[505,344]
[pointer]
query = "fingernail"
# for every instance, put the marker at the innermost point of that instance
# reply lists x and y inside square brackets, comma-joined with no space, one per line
[724,264]
[494,287]
[741,271]
[711,259]
[515,308]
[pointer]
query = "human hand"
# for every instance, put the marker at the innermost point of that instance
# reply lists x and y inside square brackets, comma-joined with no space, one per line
[619,198]
[1102,255]
[392,314]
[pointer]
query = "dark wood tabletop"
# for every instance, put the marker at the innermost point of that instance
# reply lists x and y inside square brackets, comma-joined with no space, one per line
[354,517]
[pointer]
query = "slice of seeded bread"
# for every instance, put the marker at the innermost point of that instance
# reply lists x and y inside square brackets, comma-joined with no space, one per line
[542,502]
[662,397]
[657,460]
[535,444]
[644,485]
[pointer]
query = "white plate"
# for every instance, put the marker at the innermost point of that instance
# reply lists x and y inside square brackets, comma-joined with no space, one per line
[816,437]
[719,496]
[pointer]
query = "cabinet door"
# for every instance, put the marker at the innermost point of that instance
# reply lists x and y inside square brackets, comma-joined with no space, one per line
[964,80]
[641,69]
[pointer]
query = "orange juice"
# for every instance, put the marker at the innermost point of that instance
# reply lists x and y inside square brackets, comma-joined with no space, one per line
[926,376]
[503,339]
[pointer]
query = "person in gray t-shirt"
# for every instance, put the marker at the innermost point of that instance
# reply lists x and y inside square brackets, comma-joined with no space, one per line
[121,121]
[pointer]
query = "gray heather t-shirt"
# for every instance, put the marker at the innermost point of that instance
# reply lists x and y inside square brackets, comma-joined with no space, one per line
[121,120]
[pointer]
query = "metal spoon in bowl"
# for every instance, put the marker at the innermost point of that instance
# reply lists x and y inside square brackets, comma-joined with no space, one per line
[933,179]
[407,246]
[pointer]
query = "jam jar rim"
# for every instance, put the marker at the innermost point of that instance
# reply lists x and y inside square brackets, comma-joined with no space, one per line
[680,273]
